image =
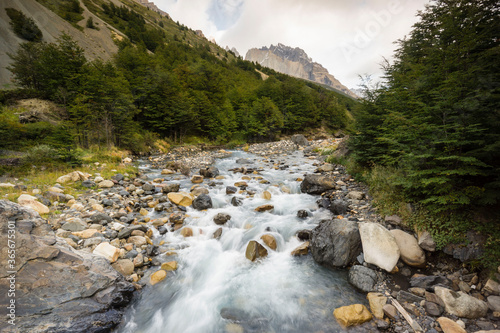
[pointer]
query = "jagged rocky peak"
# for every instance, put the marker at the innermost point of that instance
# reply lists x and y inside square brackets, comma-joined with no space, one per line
[290,53]
[295,62]
[233,49]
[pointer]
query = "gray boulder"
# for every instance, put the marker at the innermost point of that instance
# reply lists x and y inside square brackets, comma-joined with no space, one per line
[201,202]
[461,304]
[363,278]
[210,172]
[299,140]
[335,243]
[317,184]
[58,289]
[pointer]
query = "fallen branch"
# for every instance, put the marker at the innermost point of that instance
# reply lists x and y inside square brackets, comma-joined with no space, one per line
[414,325]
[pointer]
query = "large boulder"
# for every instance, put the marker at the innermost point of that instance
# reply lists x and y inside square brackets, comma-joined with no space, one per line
[379,246]
[411,253]
[335,243]
[363,278]
[203,201]
[460,304]
[317,184]
[299,140]
[58,289]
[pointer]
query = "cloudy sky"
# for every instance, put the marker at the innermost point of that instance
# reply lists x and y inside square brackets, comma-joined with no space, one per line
[348,37]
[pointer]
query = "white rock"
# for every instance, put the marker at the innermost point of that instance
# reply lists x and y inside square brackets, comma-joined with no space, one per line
[127,160]
[98,179]
[108,251]
[379,246]
[6,185]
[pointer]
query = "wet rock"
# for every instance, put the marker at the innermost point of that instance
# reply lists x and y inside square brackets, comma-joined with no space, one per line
[363,278]
[169,266]
[264,208]
[180,198]
[317,184]
[449,326]
[236,201]
[221,218]
[217,234]
[335,243]
[203,201]
[301,250]
[255,251]
[197,179]
[269,240]
[302,214]
[187,232]
[231,189]
[157,276]
[410,252]
[266,195]
[379,246]
[461,304]
[299,140]
[210,172]
[352,315]
[177,218]
[304,235]
[199,190]
[377,302]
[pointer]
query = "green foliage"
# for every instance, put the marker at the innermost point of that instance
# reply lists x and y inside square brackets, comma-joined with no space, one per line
[70,10]
[23,26]
[433,130]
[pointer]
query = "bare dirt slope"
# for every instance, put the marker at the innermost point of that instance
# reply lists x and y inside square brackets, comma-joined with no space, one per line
[97,43]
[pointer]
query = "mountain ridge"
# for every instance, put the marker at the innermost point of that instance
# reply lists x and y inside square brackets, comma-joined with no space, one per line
[295,62]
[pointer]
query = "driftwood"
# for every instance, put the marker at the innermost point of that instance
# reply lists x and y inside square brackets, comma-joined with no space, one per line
[414,325]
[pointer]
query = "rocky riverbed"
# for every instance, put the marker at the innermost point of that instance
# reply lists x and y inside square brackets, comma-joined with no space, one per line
[77,271]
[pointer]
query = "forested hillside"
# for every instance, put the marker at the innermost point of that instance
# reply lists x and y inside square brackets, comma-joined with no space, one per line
[431,135]
[165,82]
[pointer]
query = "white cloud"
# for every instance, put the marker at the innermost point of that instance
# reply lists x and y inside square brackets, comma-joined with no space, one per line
[348,37]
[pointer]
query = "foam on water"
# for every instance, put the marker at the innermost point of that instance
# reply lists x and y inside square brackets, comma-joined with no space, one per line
[279,293]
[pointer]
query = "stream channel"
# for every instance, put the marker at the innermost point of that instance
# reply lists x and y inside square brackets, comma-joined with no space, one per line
[216,288]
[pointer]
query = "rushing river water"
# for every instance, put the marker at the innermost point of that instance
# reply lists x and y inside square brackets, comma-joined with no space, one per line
[216,289]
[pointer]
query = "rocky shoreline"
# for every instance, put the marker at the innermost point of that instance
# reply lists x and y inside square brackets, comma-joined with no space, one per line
[106,236]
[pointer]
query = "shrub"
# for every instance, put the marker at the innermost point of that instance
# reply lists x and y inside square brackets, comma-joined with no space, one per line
[24,26]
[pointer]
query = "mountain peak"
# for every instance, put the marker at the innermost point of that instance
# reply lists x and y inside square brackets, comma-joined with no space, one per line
[295,62]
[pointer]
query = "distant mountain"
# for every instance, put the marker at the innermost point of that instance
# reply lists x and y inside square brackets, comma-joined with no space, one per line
[295,62]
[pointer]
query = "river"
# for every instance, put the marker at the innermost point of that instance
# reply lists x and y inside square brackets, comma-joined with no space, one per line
[216,288]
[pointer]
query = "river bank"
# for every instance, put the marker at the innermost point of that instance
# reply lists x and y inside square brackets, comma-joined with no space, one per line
[128,220]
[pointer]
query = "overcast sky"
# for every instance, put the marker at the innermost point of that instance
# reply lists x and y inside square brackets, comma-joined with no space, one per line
[348,37]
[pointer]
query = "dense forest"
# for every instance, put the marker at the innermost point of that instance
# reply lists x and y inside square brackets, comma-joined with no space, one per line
[431,133]
[161,84]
